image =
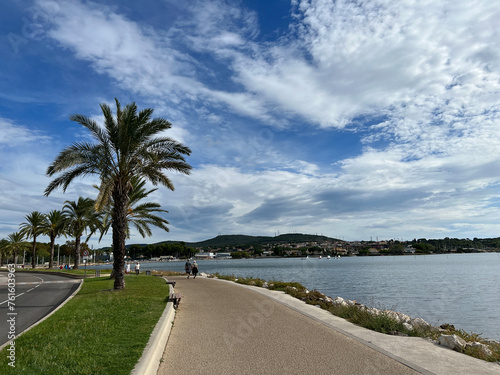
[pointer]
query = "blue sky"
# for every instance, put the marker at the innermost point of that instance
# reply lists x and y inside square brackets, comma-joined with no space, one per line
[351,119]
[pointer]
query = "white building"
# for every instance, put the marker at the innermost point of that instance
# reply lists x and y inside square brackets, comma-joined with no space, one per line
[204,256]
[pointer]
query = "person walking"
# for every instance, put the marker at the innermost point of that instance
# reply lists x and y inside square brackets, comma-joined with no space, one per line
[127,268]
[187,267]
[137,268]
[194,269]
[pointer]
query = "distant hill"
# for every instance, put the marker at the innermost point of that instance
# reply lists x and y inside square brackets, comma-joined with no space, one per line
[242,240]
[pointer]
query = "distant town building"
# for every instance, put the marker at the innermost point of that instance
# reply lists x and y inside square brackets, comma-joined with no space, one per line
[166,258]
[223,256]
[204,255]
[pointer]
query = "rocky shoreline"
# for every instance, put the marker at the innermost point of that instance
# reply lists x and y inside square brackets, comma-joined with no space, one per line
[451,341]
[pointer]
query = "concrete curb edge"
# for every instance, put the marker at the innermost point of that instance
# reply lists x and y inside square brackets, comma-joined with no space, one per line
[151,357]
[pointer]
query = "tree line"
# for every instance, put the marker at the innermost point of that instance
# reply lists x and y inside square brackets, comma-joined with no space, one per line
[80,219]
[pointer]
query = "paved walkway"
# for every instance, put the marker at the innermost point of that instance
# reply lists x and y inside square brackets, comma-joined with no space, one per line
[222,328]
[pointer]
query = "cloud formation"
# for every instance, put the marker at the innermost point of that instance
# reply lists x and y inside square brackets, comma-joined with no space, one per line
[359,119]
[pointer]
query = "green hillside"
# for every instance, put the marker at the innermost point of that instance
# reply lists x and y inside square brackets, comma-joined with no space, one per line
[242,240]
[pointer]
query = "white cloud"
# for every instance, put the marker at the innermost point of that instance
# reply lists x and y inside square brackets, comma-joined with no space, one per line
[14,135]
[419,83]
[141,59]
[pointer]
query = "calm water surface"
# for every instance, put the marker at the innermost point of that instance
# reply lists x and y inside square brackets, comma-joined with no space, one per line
[459,289]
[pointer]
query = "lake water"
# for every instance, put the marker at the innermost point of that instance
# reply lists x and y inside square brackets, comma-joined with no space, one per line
[459,289]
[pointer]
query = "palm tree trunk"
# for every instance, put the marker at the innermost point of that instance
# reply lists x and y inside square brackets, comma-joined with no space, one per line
[77,253]
[119,225]
[52,241]
[33,261]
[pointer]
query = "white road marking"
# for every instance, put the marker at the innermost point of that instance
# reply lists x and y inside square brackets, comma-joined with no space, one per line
[38,283]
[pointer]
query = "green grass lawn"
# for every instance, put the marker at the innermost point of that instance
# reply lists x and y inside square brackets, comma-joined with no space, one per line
[99,331]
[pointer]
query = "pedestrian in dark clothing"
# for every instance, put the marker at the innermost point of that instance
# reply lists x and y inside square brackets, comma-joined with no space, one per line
[187,267]
[195,269]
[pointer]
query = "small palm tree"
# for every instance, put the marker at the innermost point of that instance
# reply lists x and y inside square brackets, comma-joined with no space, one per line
[129,144]
[80,218]
[56,226]
[35,225]
[15,243]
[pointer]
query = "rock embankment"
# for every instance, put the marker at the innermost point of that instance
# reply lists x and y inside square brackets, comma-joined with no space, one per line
[444,333]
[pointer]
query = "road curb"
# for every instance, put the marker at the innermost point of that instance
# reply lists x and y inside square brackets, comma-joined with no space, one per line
[151,357]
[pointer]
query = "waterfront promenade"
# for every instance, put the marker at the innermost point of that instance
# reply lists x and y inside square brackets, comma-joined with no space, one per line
[223,328]
[226,328]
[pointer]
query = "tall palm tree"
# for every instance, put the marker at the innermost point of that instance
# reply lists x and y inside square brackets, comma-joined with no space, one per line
[80,218]
[56,226]
[129,144]
[141,215]
[35,224]
[15,243]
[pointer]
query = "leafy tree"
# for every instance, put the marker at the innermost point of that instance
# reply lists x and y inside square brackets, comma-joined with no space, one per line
[35,225]
[279,251]
[56,226]
[136,250]
[80,218]
[130,144]
[424,248]
[397,249]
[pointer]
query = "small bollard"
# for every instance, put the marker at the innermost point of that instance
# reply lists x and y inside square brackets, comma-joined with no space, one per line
[148,273]
[97,273]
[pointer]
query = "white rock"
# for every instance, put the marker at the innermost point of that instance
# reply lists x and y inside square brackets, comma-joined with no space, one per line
[419,323]
[453,342]
[264,285]
[391,314]
[484,349]
[404,318]
[408,326]
[490,341]
[374,311]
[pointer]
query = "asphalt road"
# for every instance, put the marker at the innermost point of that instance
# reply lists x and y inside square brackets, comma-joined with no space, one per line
[36,295]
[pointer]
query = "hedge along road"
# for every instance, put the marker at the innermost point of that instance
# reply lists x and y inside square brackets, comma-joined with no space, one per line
[36,295]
